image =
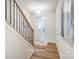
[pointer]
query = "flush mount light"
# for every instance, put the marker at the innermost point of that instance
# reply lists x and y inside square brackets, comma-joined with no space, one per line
[38,11]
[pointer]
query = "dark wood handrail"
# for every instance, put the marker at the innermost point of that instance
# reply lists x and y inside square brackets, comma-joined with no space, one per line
[23,15]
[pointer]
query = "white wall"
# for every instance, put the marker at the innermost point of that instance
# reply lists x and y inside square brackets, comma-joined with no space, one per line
[16,47]
[50,24]
[65,49]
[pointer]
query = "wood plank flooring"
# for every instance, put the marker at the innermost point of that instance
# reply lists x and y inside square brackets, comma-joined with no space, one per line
[46,52]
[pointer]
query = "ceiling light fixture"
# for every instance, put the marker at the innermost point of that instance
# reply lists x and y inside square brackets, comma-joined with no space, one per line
[38,11]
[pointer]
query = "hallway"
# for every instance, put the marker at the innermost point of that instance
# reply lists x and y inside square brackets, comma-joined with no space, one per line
[39,29]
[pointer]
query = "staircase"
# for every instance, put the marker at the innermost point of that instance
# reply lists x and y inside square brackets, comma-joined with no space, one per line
[17,20]
[18,33]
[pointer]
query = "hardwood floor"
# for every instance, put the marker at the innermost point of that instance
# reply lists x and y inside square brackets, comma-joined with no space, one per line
[46,52]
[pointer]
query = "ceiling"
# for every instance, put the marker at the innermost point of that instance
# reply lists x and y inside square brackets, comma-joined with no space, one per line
[41,5]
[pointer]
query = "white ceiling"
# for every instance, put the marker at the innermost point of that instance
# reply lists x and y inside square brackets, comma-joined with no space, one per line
[42,5]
